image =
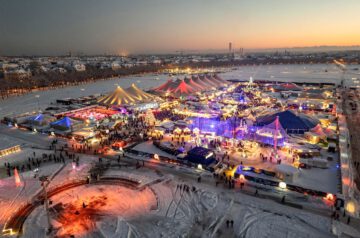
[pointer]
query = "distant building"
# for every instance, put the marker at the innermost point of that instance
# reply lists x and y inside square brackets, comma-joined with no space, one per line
[17,73]
[79,67]
[156,61]
[115,65]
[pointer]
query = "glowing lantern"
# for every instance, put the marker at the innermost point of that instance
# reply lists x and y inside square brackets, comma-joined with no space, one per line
[156,156]
[350,207]
[242,177]
[282,185]
[177,131]
[330,197]
[196,130]
[73,166]
[199,166]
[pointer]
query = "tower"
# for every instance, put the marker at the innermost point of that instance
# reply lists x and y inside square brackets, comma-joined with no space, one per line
[230,47]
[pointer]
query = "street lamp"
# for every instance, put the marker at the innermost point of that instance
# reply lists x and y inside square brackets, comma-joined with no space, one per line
[45,182]
[38,102]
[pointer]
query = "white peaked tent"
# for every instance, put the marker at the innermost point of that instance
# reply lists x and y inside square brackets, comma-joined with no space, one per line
[139,94]
[118,97]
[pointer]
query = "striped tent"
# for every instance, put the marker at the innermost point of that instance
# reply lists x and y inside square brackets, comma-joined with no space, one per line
[138,94]
[118,97]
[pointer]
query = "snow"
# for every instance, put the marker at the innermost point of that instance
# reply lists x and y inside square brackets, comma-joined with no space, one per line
[160,209]
[307,73]
[108,201]
[287,169]
[148,147]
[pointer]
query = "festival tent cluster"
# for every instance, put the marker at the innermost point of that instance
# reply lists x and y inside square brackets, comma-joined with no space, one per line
[129,95]
[190,85]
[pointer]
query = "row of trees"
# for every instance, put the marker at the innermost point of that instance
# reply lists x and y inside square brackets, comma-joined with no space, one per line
[49,80]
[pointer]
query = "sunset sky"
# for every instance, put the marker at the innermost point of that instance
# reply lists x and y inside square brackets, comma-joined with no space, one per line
[144,26]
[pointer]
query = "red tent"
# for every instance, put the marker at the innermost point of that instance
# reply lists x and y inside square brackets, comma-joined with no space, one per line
[164,85]
[214,80]
[183,89]
[196,86]
[198,81]
[208,82]
[220,79]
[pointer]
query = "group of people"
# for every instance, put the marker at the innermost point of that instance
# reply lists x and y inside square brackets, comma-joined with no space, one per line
[168,114]
[35,161]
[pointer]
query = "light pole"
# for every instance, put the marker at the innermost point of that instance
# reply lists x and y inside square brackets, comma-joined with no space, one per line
[38,102]
[44,182]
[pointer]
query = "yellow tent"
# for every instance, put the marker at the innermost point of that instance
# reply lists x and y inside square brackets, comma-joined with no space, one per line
[118,97]
[139,94]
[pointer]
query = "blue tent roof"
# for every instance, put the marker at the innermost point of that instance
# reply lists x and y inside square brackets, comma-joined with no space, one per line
[38,117]
[200,155]
[291,122]
[64,122]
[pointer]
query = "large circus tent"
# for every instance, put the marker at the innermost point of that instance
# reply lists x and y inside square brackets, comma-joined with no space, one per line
[128,96]
[293,123]
[190,85]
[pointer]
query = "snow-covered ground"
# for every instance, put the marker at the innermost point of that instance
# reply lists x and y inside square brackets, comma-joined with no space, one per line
[110,202]
[307,73]
[148,147]
[163,210]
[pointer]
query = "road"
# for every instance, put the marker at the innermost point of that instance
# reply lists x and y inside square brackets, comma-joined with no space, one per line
[26,137]
[353,120]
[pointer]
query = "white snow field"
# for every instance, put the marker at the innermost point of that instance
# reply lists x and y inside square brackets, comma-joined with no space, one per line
[163,210]
[307,73]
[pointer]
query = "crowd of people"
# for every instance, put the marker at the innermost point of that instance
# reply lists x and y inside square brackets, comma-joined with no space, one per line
[36,160]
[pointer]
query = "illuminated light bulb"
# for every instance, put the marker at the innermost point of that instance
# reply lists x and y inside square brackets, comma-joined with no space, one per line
[330,196]
[282,185]
[350,207]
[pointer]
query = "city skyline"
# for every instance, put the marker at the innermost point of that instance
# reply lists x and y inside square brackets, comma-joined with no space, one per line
[113,27]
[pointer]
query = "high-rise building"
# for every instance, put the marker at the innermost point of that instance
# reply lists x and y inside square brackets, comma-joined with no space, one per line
[230,47]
